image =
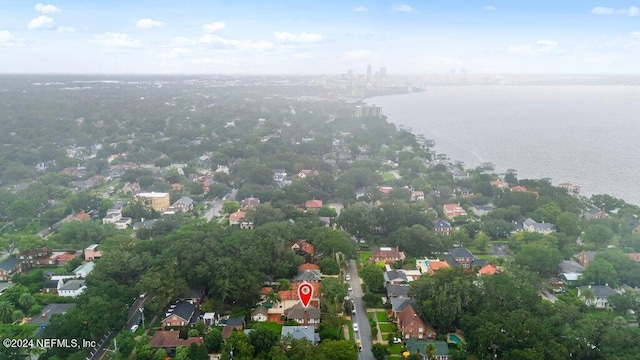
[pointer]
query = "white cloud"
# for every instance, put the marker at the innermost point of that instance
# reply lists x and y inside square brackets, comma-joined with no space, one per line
[181,41]
[41,23]
[357,54]
[7,39]
[215,61]
[539,47]
[287,37]
[174,53]
[214,26]
[304,55]
[64,29]
[360,9]
[237,44]
[635,34]
[490,8]
[116,41]
[47,9]
[403,8]
[150,23]
[631,11]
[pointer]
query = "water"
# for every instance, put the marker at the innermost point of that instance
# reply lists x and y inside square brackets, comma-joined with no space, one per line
[585,135]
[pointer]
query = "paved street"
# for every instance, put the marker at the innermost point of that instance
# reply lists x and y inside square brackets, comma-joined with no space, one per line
[364,333]
[216,205]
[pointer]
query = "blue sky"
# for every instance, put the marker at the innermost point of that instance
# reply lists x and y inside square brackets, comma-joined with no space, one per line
[319,37]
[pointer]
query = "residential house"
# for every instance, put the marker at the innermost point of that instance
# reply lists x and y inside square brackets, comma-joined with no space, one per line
[35,257]
[304,173]
[289,298]
[482,210]
[531,225]
[313,205]
[85,269]
[570,266]
[600,295]
[397,291]
[279,175]
[237,217]
[171,340]
[260,314]
[250,202]
[308,275]
[92,253]
[442,227]
[72,288]
[585,257]
[236,323]
[398,304]
[155,200]
[500,184]
[9,267]
[82,215]
[385,190]
[417,195]
[146,224]
[122,223]
[430,267]
[453,210]
[300,332]
[309,316]
[460,257]
[193,296]
[489,269]
[412,327]
[179,314]
[634,256]
[131,188]
[303,248]
[388,255]
[51,286]
[395,277]
[418,347]
[113,215]
[594,214]
[209,318]
[42,319]
[184,204]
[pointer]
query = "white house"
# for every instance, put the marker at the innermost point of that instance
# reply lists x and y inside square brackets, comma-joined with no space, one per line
[72,288]
[600,295]
[260,314]
[85,269]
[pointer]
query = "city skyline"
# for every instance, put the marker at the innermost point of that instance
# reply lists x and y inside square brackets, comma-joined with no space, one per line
[329,37]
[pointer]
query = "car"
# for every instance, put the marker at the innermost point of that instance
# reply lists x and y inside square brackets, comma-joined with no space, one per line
[355,327]
[353,311]
[350,288]
[347,277]
[397,340]
[134,328]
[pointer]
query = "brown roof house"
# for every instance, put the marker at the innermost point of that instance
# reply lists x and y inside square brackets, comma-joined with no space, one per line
[388,255]
[306,317]
[313,204]
[412,326]
[179,314]
[236,323]
[170,340]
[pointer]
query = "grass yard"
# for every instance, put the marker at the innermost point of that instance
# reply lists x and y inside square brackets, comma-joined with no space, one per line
[365,256]
[381,316]
[273,327]
[385,337]
[387,176]
[388,328]
[395,349]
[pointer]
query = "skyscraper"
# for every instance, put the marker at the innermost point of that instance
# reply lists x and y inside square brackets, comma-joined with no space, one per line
[369,70]
[383,72]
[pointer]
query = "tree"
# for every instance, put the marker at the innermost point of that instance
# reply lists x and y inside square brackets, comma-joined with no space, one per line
[160,354]
[26,300]
[568,223]
[430,351]
[380,352]
[600,272]
[355,219]
[481,241]
[338,350]
[213,339]
[237,347]
[6,311]
[373,277]
[262,340]
[230,206]
[547,213]
[597,234]
[538,257]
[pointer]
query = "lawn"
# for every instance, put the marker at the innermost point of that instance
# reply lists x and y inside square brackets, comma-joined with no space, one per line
[381,316]
[274,327]
[387,328]
[365,256]
[396,349]
[387,176]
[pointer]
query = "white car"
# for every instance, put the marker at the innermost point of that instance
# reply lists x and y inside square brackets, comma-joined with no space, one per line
[397,340]
[134,328]
[355,327]
[347,277]
[350,289]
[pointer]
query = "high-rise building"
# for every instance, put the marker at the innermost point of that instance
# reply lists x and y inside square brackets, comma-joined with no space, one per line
[350,73]
[369,70]
[383,72]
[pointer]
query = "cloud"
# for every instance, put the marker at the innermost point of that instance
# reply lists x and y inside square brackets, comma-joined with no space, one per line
[539,47]
[357,54]
[47,9]
[237,44]
[181,41]
[214,26]
[631,11]
[490,8]
[150,23]
[304,55]
[635,34]
[67,29]
[41,23]
[360,9]
[403,8]
[116,41]
[215,61]
[8,40]
[289,38]
[174,53]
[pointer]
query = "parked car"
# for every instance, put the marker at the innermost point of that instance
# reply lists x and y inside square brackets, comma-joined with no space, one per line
[355,327]
[397,340]
[347,277]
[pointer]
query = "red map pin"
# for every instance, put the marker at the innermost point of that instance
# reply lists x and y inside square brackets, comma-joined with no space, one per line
[305,293]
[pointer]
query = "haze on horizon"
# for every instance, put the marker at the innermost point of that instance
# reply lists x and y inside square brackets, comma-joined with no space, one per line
[248,37]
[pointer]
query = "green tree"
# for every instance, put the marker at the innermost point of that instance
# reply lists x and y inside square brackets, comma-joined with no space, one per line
[213,339]
[338,350]
[262,341]
[568,223]
[6,311]
[539,258]
[598,234]
[373,277]
[380,352]
[26,300]
[229,207]
[237,347]
[600,272]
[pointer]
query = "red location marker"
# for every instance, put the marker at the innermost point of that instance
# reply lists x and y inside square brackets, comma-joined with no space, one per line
[305,293]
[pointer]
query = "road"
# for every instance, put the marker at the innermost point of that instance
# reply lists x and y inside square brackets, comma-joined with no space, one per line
[216,205]
[133,317]
[364,333]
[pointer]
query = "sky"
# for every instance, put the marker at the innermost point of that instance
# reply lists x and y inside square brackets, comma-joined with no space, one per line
[319,36]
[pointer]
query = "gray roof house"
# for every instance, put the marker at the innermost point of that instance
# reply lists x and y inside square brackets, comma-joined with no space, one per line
[395,277]
[570,266]
[397,290]
[301,332]
[600,295]
[531,225]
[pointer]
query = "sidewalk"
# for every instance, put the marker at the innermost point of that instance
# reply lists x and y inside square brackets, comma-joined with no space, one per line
[379,339]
